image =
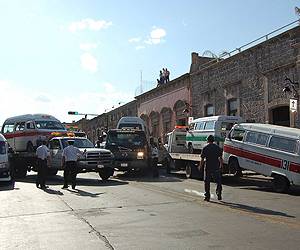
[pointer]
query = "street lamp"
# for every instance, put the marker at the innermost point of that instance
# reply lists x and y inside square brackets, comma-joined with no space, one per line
[290,87]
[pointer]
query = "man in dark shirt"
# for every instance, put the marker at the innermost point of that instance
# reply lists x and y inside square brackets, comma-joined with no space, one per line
[212,154]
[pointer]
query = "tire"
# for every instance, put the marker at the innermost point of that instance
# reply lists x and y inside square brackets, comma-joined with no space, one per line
[52,172]
[280,184]
[191,171]
[234,168]
[30,147]
[191,149]
[106,173]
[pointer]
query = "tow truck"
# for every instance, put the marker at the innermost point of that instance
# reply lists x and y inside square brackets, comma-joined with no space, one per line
[176,156]
[93,160]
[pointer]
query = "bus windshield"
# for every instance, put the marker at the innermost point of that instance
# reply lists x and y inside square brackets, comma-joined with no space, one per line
[53,125]
[126,139]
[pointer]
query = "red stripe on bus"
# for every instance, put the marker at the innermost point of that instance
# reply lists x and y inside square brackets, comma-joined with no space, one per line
[275,162]
[27,133]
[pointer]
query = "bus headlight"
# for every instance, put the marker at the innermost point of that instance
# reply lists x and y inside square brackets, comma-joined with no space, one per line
[140,155]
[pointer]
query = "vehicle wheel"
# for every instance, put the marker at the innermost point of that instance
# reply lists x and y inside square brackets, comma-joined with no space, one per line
[191,170]
[30,147]
[106,173]
[52,172]
[21,172]
[234,168]
[280,184]
[191,149]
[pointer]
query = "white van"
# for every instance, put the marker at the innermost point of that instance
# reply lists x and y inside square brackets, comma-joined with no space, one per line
[133,122]
[4,164]
[200,128]
[266,149]
[23,133]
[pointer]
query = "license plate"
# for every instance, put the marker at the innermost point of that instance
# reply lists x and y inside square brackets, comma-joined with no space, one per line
[100,166]
[124,164]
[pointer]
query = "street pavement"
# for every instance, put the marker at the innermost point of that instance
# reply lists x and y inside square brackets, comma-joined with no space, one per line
[136,212]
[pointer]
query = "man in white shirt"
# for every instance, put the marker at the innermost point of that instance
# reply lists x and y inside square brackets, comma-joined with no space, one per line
[43,155]
[69,161]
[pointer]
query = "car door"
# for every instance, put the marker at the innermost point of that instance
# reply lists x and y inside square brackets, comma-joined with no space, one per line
[55,153]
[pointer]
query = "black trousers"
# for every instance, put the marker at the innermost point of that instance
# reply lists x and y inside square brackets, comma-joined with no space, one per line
[41,172]
[70,169]
[154,168]
[216,175]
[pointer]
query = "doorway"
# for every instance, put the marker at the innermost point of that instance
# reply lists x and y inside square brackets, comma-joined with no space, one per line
[281,116]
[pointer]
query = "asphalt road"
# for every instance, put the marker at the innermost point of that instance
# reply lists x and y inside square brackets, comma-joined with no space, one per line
[134,212]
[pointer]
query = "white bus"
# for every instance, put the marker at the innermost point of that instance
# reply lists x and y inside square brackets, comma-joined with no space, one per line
[24,132]
[200,128]
[266,149]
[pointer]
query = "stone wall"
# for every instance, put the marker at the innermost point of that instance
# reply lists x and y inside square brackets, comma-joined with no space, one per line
[254,77]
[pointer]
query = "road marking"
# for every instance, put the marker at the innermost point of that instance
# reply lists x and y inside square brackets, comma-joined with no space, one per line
[198,193]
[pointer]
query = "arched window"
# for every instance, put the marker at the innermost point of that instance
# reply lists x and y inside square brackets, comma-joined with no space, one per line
[166,116]
[209,110]
[154,120]
[181,117]
[232,106]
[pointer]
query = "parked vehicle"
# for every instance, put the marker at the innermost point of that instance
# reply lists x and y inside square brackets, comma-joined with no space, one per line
[201,128]
[5,174]
[130,148]
[93,160]
[266,149]
[25,132]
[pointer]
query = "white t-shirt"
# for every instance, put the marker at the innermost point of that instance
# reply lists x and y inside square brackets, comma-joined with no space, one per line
[71,153]
[42,152]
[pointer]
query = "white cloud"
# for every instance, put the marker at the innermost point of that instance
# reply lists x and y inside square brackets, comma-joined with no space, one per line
[134,40]
[90,24]
[89,62]
[88,46]
[42,98]
[140,47]
[156,36]
[26,101]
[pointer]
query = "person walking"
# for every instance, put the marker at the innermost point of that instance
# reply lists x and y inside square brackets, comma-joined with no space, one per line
[69,161]
[154,158]
[212,154]
[43,154]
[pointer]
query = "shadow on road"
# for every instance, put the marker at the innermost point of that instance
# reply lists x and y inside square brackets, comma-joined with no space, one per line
[251,209]
[147,177]
[84,193]
[7,186]
[52,191]
[59,180]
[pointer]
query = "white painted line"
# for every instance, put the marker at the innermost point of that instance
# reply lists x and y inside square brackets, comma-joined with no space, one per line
[198,193]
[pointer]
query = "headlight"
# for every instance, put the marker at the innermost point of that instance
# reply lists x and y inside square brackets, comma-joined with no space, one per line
[140,155]
[4,165]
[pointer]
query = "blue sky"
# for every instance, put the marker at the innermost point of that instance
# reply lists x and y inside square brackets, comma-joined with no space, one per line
[88,56]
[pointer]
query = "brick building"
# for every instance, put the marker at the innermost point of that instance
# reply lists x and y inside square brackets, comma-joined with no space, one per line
[249,83]
[163,107]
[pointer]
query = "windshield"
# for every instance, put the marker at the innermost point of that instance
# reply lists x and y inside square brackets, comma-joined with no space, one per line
[126,139]
[55,125]
[79,143]
[2,148]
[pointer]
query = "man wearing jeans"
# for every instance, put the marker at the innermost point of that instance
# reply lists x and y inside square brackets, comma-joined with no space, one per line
[212,154]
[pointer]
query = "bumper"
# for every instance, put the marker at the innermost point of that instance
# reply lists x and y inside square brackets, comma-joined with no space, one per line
[128,165]
[83,166]
[5,174]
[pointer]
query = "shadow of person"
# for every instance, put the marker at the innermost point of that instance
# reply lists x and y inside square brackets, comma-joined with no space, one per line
[52,191]
[256,210]
[6,186]
[84,193]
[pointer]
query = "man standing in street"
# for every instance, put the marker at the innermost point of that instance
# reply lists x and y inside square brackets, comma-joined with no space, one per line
[154,158]
[69,161]
[212,154]
[43,154]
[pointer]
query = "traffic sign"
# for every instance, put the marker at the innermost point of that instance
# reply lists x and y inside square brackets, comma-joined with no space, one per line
[293,105]
[190,119]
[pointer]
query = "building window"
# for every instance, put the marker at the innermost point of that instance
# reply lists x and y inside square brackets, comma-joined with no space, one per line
[209,110]
[232,107]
